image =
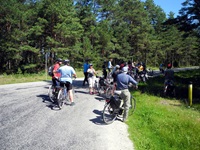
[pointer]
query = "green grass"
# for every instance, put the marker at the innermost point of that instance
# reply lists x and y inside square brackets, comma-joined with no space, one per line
[161,123]
[21,78]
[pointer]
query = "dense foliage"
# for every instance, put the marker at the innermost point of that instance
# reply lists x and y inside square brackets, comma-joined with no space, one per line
[34,33]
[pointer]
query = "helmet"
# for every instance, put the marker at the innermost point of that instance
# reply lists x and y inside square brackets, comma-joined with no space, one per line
[117,66]
[59,60]
[66,61]
[90,65]
[125,69]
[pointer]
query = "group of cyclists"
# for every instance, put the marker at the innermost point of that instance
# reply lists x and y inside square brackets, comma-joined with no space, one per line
[63,75]
[123,74]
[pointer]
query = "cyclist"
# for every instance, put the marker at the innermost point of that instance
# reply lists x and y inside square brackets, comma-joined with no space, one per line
[104,70]
[169,75]
[85,68]
[114,72]
[56,75]
[91,79]
[123,80]
[67,72]
[110,65]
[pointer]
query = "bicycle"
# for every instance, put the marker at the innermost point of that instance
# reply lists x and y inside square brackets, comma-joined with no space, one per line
[169,89]
[62,94]
[109,89]
[113,109]
[53,92]
[103,86]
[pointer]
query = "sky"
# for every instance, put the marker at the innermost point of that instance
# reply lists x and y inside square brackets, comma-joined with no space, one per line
[170,5]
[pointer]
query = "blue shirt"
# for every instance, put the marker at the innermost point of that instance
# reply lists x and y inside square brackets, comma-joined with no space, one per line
[109,65]
[123,80]
[85,67]
[66,73]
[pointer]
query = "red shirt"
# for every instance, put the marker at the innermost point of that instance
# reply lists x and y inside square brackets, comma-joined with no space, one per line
[56,67]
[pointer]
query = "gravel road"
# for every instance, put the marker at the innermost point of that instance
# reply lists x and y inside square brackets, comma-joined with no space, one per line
[27,121]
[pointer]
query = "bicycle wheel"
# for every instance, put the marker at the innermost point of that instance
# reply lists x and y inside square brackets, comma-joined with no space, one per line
[109,92]
[51,93]
[108,114]
[133,103]
[60,99]
[101,90]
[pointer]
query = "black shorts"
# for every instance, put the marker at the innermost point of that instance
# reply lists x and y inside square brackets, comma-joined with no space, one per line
[67,84]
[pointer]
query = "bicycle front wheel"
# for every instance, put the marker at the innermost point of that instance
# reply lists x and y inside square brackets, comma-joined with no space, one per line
[60,99]
[101,90]
[109,92]
[108,114]
[51,93]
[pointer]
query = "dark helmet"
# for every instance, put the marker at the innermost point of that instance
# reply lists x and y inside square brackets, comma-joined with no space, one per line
[59,60]
[66,61]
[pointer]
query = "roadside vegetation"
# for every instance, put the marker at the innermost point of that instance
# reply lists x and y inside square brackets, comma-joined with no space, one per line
[28,77]
[166,123]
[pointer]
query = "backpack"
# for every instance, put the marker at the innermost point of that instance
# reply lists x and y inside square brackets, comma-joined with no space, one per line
[50,70]
[115,102]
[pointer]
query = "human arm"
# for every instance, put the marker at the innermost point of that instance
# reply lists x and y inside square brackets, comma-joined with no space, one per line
[133,81]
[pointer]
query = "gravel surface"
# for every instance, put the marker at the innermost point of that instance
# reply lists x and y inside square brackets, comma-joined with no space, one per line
[28,122]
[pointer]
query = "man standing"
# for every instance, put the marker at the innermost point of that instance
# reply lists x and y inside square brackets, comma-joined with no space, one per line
[104,70]
[85,68]
[67,72]
[169,73]
[110,65]
[56,75]
[123,80]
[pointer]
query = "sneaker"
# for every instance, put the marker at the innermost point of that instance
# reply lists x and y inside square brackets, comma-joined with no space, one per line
[72,104]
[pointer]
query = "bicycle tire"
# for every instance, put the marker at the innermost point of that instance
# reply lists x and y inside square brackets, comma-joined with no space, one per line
[108,92]
[101,90]
[50,93]
[60,98]
[108,114]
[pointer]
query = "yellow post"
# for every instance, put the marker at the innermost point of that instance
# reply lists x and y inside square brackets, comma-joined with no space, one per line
[190,93]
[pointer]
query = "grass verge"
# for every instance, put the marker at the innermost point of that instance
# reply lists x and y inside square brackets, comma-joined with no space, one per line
[164,123]
[21,78]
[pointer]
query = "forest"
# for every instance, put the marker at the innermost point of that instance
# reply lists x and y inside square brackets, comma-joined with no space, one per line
[33,33]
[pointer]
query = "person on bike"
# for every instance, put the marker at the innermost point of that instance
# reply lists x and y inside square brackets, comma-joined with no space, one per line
[161,68]
[123,81]
[110,66]
[169,74]
[91,79]
[67,72]
[115,72]
[85,68]
[104,70]
[56,75]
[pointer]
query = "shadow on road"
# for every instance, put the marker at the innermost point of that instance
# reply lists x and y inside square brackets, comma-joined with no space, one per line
[45,99]
[98,120]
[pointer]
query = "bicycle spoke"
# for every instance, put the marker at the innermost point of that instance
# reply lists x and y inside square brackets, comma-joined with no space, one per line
[108,114]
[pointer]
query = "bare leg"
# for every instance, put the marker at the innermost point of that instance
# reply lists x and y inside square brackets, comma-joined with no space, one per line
[71,97]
